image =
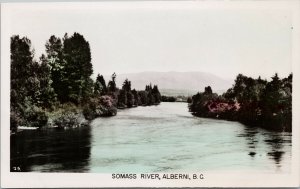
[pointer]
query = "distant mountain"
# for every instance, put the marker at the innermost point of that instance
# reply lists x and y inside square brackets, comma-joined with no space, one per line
[179,83]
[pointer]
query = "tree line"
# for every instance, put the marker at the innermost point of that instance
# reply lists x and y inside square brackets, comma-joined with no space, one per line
[61,80]
[254,102]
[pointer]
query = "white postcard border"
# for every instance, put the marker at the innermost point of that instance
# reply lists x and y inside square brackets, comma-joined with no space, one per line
[212,179]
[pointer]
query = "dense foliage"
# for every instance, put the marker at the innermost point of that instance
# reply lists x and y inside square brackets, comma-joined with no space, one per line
[168,98]
[31,90]
[179,98]
[251,101]
[58,90]
[71,67]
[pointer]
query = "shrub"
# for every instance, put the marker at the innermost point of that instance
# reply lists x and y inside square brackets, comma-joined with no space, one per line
[67,119]
[100,107]
[66,116]
[15,120]
[35,117]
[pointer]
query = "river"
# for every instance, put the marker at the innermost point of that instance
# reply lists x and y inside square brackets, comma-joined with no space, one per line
[163,138]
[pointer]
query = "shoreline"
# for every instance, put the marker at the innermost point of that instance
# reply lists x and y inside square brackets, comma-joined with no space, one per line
[70,119]
[81,121]
[258,123]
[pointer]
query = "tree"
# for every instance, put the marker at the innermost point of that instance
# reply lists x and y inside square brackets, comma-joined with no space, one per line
[47,93]
[130,99]
[33,83]
[54,51]
[207,90]
[78,67]
[239,87]
[143,97]
[151,99]
[271,97]
[111,86]
[287,102]
[126,85]
[199,102]
[148,87]
[156,94]
[30,86]
[122,98]
[168,99]
[21,63]
[137,98]
[26,75]
[196,105]
[100,85]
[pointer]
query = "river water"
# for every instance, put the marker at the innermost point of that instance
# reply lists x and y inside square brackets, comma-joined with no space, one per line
[163,138]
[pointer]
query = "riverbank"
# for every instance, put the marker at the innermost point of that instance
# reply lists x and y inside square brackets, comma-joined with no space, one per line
[254,102]
[68,115]
[278,123]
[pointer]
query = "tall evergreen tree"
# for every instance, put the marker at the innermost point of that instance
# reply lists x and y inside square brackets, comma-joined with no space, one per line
[111,86]
[137,98]
[122,98]
[207,90]
[126,85]
[78,67]
[156,94]
[271,97]
[100,85]
[130,99]
[21,63]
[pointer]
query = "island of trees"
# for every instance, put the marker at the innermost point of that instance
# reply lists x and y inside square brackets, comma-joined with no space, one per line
[57,90]
[254,102]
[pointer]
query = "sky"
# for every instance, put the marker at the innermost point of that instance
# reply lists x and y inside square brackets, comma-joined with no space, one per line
[168,36]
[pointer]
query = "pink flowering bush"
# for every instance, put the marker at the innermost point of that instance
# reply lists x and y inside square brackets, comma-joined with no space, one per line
[100,107]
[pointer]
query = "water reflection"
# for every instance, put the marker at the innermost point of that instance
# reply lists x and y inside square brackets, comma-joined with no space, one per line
[250,134]
[275,142]
[51,150]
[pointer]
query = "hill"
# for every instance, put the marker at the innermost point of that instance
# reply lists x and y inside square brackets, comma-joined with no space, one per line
[176,83]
